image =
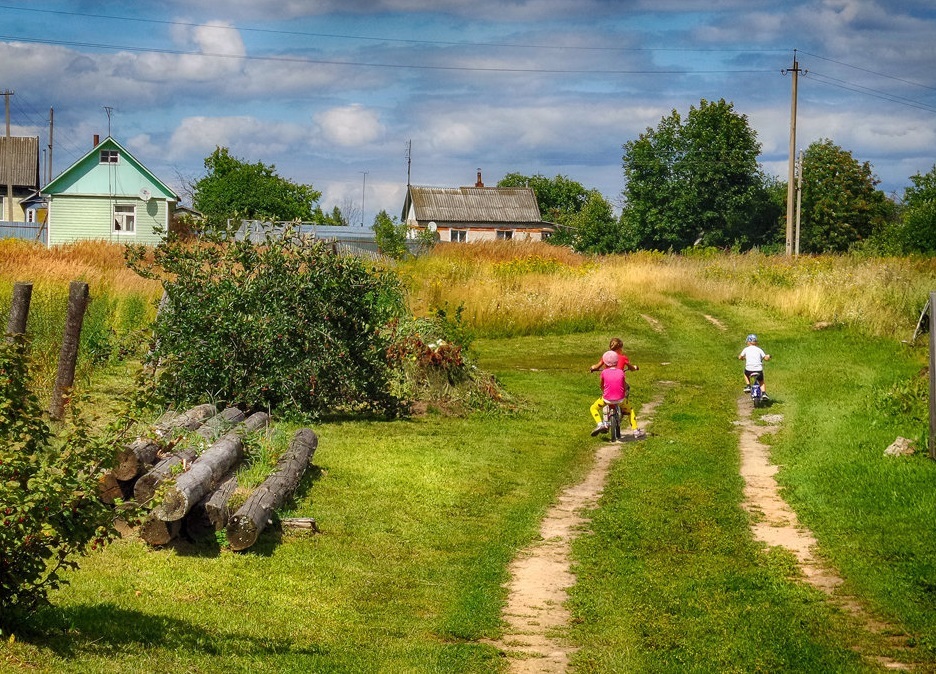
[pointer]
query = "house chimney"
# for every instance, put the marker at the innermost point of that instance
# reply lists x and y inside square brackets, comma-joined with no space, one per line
[97,139]
[479,183]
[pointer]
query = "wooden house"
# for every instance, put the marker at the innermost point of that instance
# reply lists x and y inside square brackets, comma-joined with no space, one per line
[478,213]
[108,195]
[19,169]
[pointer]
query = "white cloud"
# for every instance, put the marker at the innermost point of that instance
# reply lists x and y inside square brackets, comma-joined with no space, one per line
[350,126]
[247,137]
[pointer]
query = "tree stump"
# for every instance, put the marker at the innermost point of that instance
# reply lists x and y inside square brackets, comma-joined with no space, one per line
[132,460]
[210,431]
[207,470]
[253,517]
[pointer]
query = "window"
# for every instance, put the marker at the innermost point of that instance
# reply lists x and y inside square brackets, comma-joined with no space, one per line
[504,234]
[458,235]
[125,218]
[109,156]
[30,215]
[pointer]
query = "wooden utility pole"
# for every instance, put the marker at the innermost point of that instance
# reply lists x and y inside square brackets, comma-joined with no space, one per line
[9,160]
[799,198]
[791,187]
[932,375]
[51,130]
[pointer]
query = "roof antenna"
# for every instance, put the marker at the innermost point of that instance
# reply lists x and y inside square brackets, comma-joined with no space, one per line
[108,110]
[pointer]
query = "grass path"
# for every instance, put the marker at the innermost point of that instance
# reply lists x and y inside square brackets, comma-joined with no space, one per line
[540,575]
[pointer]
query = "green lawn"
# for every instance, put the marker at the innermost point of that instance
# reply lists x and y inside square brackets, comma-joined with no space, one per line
[420,518]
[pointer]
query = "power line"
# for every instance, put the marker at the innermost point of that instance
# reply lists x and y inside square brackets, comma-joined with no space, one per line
[860,89]
[298,33]
[872,72]
[365,64]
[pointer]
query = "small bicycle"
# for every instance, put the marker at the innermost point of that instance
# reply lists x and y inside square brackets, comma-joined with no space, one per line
[612,413]
[757,393]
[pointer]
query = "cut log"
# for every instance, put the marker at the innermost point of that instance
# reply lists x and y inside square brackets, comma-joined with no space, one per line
[207,470]
[210,431]
[110,489]
[156,532]
[132,460]
[211,514]
[253,517]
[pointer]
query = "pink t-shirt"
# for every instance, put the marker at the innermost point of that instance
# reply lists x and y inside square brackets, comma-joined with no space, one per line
[612,384]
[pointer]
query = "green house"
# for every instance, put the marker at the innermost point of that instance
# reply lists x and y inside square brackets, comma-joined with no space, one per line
[108,195]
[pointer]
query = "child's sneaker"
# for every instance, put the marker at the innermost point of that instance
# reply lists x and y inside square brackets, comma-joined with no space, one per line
[639,433]
[600,428]
[764,396]
[747,389]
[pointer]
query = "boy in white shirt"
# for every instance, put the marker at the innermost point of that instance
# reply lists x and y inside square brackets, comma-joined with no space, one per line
[754,357]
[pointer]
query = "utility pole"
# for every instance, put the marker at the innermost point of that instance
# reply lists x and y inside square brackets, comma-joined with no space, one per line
[799,198]
[409,161]
[51,127]
[363,189]
[791,187]
[9,160]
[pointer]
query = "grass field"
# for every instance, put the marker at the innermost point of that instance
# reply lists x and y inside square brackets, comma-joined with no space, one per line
[420,517]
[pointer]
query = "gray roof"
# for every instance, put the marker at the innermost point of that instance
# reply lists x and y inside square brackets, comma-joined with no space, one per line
[494,205]
[25,161]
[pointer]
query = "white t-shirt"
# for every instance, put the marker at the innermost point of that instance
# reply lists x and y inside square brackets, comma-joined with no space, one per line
[753,358]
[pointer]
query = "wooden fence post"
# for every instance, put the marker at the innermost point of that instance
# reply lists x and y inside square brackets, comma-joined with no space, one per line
[65,377]
[19,310]
[932,375]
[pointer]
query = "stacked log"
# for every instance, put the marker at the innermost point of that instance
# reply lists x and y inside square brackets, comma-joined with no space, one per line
[211,430]
[207,471]
[133,459]
[211,514]
[253,517]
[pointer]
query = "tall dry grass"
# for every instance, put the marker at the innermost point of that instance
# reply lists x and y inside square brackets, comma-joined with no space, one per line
[514,288]
[121,301]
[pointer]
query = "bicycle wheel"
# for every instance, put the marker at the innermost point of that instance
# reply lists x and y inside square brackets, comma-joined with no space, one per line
[614,421]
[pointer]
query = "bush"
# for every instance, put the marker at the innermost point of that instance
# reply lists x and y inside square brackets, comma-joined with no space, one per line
[49,510]
[285,325]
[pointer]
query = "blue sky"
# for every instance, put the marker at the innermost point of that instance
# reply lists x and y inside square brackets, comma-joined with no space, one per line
[332,91]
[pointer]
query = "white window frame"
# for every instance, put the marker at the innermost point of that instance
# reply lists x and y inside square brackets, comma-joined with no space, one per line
[504,234]
[458,235]
[31,215]
[120,219]
[109,157]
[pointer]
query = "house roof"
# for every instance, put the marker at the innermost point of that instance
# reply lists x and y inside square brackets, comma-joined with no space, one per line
[494,205]
[24,169]
[67,178]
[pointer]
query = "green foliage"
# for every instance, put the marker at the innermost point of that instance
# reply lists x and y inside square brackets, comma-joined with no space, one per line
[917,229]
[49,510]
[594,229]
[558,198]
[235,189]
[390,236]
[841,206]
[697,182]
[284,325]
[334,219]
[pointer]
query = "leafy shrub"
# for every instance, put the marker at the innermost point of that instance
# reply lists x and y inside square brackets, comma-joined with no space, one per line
[286,325]
[49,510]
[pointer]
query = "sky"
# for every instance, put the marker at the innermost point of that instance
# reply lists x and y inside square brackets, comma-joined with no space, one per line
[355,97]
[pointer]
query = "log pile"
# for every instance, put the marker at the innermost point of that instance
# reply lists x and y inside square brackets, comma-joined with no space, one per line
[188,486]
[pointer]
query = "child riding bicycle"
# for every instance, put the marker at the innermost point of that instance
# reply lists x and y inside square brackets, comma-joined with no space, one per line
[754,357]
[614,387]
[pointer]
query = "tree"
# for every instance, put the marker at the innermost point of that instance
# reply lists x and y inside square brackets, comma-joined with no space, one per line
[841,206]
[285,325]
[558,198]
[594,229]
[233,188]
[917,229]
[697,182]
[390,235]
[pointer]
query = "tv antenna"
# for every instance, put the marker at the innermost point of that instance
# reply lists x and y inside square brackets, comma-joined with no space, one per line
[108,109]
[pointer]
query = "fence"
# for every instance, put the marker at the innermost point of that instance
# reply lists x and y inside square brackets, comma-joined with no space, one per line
[30,231]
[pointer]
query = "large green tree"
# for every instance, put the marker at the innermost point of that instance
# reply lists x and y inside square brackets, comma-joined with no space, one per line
[841,205]
[558,198]
[236,189]
[696,181]
[918,223]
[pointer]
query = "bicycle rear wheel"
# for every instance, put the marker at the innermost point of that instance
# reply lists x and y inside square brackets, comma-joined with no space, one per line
[614,423]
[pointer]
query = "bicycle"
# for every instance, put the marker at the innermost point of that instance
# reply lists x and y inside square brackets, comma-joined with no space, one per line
[757,393]
[612,414]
